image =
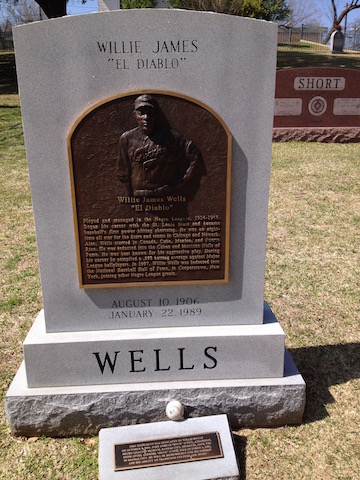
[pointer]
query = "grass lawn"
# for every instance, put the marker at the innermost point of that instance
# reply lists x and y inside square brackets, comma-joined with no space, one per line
[299,58]
[312,284]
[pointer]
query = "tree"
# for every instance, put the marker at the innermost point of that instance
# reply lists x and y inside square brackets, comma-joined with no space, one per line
[337,18]
[52,8]
[355,34]
[264,9]
[274,10]
[23,11]
[304,12]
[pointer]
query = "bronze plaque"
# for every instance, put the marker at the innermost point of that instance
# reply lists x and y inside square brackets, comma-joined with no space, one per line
[167,451]
[151,192]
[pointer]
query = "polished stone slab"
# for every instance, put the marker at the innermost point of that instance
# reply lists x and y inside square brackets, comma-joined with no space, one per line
[78,65]
[154,355]
[225,468]
[311,99]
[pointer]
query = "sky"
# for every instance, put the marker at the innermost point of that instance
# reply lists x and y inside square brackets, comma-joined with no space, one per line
[323,7]
[326,12]
[75,7]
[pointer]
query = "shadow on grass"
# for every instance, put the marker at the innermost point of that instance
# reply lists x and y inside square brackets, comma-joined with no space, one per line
[322,367]
[240,443]
[296,59]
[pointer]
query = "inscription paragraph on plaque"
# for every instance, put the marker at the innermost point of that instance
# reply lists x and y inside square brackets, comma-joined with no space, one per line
[150,248]
[165,451]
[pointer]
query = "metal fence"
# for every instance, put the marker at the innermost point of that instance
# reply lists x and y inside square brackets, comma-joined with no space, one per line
[352,39]
[312,38]
[6,40]
[308,38]
[6,45]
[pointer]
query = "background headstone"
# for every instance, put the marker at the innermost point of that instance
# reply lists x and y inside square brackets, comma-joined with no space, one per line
[337,42]
[317,104]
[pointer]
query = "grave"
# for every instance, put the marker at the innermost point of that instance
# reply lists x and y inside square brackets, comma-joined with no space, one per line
[317,104]
[337,41]
[149,160]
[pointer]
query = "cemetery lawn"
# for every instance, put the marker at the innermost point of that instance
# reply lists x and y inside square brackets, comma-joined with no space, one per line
[297,58]
[312,284]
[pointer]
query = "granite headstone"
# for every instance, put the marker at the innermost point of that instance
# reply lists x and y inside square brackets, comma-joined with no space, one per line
[151,227]
[337,42]
[317,104]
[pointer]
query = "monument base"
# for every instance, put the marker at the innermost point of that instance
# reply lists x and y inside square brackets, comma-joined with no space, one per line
[154,355]
[79,411]
[317,134]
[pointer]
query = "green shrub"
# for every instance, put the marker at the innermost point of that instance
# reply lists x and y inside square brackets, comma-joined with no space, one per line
[126,4]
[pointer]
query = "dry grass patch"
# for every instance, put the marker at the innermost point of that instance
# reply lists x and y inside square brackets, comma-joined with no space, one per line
[312,283]
[312,257]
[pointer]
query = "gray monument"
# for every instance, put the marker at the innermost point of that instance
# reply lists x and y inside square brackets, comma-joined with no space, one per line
[157,295]
[337,41]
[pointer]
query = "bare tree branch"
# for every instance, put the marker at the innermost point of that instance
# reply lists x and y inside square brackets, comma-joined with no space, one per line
[338,18]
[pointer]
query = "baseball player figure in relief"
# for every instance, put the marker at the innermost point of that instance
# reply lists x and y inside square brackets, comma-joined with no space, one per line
[154,160]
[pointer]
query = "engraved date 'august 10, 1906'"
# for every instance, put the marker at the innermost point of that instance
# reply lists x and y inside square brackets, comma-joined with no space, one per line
[139,308]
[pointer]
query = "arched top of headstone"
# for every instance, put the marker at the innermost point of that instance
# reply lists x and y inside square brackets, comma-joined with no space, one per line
[337,42]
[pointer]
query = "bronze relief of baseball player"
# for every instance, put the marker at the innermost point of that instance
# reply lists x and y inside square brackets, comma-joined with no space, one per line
[154,160]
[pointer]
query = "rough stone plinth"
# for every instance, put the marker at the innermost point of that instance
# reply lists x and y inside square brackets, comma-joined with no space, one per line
[323,135]
[72,411]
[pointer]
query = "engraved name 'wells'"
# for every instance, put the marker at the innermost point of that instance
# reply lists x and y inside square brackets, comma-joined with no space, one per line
[133,359]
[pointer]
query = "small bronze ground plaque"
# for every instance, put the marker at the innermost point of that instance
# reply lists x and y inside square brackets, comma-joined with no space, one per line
[167,451]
